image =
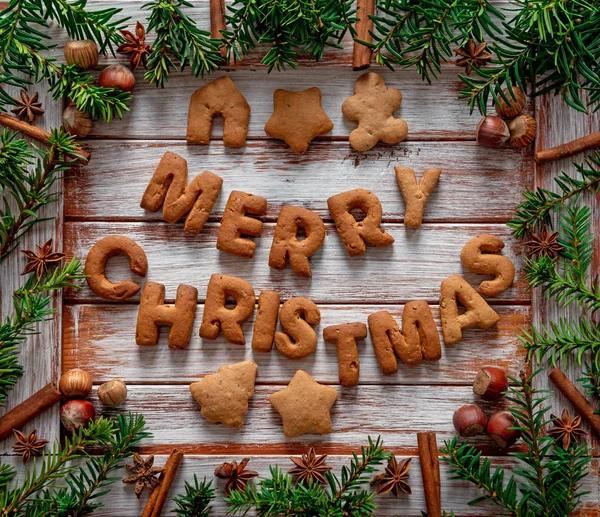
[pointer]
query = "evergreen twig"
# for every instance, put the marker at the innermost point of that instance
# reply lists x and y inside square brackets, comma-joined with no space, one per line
[195,502]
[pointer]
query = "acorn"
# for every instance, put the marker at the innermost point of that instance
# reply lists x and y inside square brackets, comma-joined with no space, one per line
[522,131]
[117,76]
[469,420]
[499,429]
[75,383]
[514,106]
[112,393]
[76,122]
[492,132]
[490,383]
[83,53]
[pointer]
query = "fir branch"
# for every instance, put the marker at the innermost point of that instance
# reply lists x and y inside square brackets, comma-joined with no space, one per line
[553,45]
[30,190]
[195,502]
[577,239]
[31,306]
[591,378]
[278,495]
[565,286]
[179,43]
[539,205]
[559,340]
[23,45]
[289,27]
[91,480]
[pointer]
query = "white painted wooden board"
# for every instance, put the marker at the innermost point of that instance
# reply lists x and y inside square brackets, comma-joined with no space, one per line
[101,340]
[410,269]
[271,170]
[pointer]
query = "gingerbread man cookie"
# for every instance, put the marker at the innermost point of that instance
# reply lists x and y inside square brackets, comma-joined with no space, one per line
[372,106]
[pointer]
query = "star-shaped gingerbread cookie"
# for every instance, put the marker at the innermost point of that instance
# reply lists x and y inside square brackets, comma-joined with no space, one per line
[298,118]
[224,395]
[304,406]
[372,106]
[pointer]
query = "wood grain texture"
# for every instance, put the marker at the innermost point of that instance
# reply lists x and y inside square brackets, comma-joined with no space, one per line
[272,171]
[410,269]
[40,353]
[101,340]
[455,494]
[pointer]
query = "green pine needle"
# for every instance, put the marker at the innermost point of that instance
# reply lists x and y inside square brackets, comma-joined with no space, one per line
[195,502]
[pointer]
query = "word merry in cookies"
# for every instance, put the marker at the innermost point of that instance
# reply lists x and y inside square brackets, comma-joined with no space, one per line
[415,340]
[168,189]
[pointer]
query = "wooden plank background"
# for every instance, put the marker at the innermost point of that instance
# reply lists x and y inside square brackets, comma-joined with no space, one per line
[477,193]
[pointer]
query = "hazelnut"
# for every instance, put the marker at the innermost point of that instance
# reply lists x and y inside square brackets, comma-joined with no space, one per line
[469,420]
[83,53]
[75,383]
[76,122]
[492,132]
[77,413]
[500,430]
[117,76]
[514,106]
[490,383]
[522,131]
[112,393]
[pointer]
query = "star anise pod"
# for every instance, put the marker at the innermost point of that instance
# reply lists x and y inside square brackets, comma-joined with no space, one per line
[135,45]
[236,475]
[473,55]
[394,479]
[310,468]
[565,428]
[544,244]
[28,107]
[28,446]
[144,474]
[40,261]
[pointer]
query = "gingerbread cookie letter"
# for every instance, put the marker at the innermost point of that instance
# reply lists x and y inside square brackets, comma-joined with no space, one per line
[416,195]
[286,244]
[218,318]
[355,234]
[296,317]
[478,313]
[479,256]
[235,223]
[420,332]
[388,340]
[167,188]
[298,118]
[219,97]
[224,395]
[304,406]
[266,321]
[96,262]
[345,337]
[154,314]
[372,106]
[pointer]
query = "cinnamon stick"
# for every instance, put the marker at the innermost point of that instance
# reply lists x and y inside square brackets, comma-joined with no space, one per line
[574,396]
[430,470]
[158,497]
[217,21]
[361,58]
[569,149]
[29,409]
[34,132]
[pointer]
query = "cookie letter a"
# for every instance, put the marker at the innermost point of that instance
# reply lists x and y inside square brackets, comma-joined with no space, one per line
[478,313]
[416,195]
[355,234]
[218,318]
[167,188]
[154,314]
[479,256]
